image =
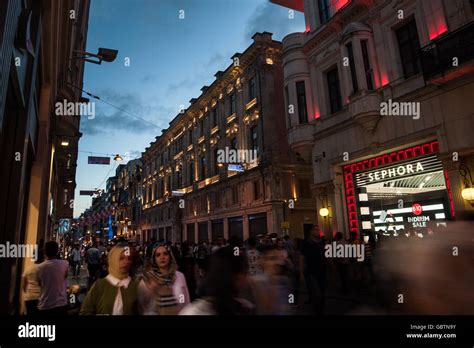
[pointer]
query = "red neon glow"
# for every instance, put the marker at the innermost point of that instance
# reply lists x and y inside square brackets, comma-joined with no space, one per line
[350,169]
[384,79]
[308,29]
[439,28]
[338,4]
[450,195]
[317,113]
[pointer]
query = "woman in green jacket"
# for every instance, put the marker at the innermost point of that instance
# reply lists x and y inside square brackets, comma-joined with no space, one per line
[116,294]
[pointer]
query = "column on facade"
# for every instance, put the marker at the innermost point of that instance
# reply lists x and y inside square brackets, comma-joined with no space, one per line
[226,228]
[245,222]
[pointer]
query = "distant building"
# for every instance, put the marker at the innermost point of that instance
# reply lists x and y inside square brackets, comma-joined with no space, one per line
[189,195]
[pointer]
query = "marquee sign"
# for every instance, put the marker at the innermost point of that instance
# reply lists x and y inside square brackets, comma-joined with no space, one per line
[403,170]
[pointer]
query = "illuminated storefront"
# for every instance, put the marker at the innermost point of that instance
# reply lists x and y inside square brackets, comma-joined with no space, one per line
[400,192]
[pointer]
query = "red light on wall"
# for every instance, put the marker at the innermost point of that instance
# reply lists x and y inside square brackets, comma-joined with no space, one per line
[338,4]
[450,195]
[308,29]
[440,28]
[317,113]
[384,79]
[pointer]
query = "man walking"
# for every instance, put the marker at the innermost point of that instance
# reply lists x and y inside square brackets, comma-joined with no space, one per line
[93,263]
[52,275]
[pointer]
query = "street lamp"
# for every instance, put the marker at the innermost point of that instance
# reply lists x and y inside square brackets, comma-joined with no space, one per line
[324,212]
[104,54]
[118,158]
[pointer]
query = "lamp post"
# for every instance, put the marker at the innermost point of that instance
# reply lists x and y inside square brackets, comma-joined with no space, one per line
[468,191]
[324,210]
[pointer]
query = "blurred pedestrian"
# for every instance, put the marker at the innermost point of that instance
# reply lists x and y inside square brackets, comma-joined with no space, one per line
[93,263]
[116,294]
[52,275]
[314,269]
[31,287]
[163,291]
[76,261]
[223,282]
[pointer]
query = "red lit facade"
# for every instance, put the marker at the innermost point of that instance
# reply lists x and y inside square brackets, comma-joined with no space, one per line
[351,61]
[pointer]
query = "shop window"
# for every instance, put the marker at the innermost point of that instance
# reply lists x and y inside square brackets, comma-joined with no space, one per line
[334,90]
[301,99]
[409,46]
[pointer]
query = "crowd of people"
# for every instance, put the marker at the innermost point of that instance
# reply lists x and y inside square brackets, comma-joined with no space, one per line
[261,276]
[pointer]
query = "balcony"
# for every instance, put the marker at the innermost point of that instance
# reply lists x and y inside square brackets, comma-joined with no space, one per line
[364,108]
[300,137]
[438,57]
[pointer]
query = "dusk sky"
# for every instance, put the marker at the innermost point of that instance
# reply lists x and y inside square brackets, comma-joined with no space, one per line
[170,60]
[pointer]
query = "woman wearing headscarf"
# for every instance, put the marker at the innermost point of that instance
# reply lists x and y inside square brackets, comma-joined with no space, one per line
[116,294]
[163,290]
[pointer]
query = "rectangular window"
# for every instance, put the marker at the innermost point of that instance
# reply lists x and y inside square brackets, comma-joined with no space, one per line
[214,117]
[216,163]
[190,136]
[257,193]
[301,98]
[233,143]
[232,104]
[201,127]
[179,179]
[254,138]
[252,89]
[235,194]
[367,69]
[203,167]
[323,10]
[409,47]
[191,173]
[334,90]
[350,54]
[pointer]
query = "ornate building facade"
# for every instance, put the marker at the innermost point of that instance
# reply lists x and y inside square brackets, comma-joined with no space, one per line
[189,193]
[383,108]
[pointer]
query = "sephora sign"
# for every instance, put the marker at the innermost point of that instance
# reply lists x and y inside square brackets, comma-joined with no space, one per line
[394,172]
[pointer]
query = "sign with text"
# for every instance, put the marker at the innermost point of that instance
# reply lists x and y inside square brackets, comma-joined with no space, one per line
[98,160]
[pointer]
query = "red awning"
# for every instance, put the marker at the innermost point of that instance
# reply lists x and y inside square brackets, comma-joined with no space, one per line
[297,5]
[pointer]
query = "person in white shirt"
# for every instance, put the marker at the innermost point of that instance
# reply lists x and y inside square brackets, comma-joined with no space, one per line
[163,291]
[52,275]
[31,287]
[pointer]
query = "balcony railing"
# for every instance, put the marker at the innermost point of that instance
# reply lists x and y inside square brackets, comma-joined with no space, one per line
[440,56]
